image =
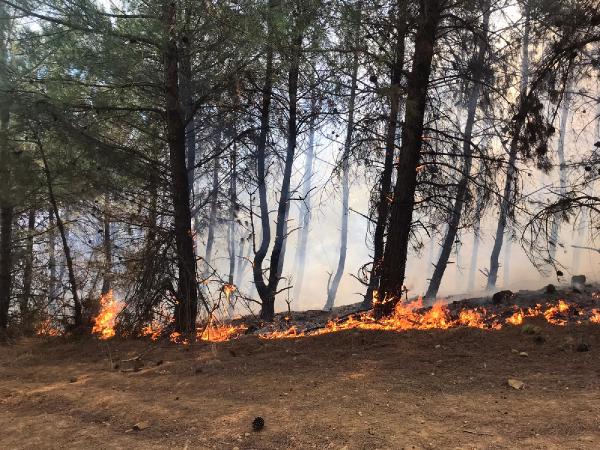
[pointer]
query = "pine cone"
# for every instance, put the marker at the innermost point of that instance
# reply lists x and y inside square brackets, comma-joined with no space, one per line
[258,423]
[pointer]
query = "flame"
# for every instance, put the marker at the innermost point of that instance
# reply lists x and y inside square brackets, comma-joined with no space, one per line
[47,328]
[220,333]
[104,322]
[554,313]
[228,289]
[595,317]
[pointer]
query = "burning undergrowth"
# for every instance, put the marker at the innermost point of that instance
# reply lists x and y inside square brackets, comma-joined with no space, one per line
[561,309]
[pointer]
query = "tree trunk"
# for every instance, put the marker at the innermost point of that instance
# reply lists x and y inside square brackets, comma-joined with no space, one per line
[385,183]
[332,287]
[268,307]
[267,298]
[52,281]
[231,229]
[512,158]
[212,215]
[186,307]
[106,248]
[6,229]
[28,273]
[396,249]
[305,206]
[462,188]
[78,313]
[564,115]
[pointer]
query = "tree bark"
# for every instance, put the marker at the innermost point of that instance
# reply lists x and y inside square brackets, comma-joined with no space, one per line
[385,183]
[396,248]
[186,308]
[462,188]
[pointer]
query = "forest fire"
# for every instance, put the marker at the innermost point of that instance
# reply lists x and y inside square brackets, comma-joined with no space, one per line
[413,316]
[104,322]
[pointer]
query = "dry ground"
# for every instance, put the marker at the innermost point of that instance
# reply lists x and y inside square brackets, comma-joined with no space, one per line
[350,390]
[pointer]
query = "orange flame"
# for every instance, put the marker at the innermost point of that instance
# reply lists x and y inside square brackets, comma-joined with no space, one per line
[104,322]
[47,328]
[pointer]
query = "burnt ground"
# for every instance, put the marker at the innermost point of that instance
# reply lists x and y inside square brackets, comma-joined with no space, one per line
[355,389]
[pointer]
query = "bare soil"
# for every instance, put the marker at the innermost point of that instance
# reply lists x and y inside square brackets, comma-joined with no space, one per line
[354,389]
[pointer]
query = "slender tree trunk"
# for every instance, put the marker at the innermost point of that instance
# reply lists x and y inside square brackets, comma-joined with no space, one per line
[305,206]
[6,229]
[6,211]
[475,251]
[28,273]
[106,248]
[512,158]
[564,115]
[385,183]
[186,308]
[396,250]
[332,287]
[267,309]
[231,229]
[268,303]
[212,215]
[52,281]
[462,188]
[78,313]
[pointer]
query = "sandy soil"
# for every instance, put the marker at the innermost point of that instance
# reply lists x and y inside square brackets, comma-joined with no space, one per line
[350,390]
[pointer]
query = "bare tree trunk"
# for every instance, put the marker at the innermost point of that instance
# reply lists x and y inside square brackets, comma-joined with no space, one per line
[462,188]
[268,303]
[564,115]
[474,252]
[28,273]
[267,310]
[6,228]
[512,158]
[396,249]
[385,183]
[186,308]
[52,282]
[305,206]
[231,229]
[212,215]
[107,248]
[332,287]
[6,214]
[78,313]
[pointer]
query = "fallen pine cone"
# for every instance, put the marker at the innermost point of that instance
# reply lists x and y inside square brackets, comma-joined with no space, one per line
[258,423]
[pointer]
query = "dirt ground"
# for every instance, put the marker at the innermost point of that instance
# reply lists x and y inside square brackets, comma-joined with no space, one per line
[350,390]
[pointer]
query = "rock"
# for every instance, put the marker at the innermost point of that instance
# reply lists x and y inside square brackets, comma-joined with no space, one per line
[516,384]
[141,426]
[578,282]
[502,297]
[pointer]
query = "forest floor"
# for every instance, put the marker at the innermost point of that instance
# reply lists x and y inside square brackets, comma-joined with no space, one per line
[355,389]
